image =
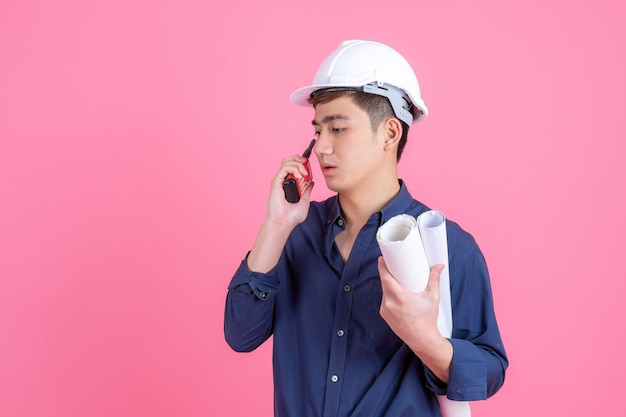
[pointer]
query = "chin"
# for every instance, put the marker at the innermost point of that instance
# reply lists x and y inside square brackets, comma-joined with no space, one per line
[332,186]
[335,186]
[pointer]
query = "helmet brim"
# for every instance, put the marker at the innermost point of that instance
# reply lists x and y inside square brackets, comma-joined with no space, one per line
[301,95]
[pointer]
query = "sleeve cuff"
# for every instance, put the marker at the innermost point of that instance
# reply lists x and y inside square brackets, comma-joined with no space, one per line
[264,286]
[468,378]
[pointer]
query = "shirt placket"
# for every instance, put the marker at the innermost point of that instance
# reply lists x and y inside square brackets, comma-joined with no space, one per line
[343,312]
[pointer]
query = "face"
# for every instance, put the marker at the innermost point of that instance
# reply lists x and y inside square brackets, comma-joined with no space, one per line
[349,153]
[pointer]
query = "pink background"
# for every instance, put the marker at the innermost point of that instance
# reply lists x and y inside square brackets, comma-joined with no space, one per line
[138,139]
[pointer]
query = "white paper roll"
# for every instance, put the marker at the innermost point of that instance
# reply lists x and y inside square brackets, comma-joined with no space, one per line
[451,408]
[410,248]
[401,246]
[432,227]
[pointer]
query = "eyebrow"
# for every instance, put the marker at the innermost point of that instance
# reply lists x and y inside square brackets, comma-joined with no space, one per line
[329,118]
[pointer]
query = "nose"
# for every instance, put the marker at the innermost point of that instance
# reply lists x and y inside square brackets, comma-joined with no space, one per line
[322,145]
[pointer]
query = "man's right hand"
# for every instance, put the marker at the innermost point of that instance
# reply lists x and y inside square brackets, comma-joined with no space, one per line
[282,217]
[280,211]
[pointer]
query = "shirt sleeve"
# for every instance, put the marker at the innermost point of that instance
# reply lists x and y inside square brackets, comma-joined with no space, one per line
[248,317]
[479,361]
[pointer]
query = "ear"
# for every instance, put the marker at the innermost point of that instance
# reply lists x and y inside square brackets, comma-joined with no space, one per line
[392,131]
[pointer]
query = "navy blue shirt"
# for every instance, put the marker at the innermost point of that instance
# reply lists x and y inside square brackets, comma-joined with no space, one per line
[333,353]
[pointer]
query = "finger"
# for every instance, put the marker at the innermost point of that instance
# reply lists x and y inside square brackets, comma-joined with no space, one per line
[306,196]
[293,160]
[382,269]
[291,167]
[434,278]
[388,281]
[288,166]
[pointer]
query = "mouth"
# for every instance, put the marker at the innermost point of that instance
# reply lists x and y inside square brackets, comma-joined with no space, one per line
[328,169]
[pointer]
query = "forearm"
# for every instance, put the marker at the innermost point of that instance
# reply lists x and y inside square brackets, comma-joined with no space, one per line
[282,218]
[435,352]
[268,247]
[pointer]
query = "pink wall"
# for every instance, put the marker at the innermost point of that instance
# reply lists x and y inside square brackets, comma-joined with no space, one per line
[138,138]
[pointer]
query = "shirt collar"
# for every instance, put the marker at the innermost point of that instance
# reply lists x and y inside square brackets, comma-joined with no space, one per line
[400,204]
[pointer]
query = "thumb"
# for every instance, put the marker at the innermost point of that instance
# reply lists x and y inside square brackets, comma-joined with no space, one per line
[434,279]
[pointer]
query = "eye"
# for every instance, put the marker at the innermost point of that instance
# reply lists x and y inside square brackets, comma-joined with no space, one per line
[337,129]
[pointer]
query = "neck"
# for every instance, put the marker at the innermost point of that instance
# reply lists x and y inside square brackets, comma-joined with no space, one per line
[357,206]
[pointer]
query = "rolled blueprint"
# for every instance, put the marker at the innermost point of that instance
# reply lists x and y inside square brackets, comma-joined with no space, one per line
[410,248]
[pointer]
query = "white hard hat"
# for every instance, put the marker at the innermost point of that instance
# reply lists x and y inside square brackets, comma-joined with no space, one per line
[372,67]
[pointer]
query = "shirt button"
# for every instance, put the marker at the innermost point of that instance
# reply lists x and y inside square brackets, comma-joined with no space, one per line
[334,378]
[346,288]
[340,333]
[262,294]
[340,222]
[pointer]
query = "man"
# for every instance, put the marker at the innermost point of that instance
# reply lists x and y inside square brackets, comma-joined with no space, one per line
[348,339]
